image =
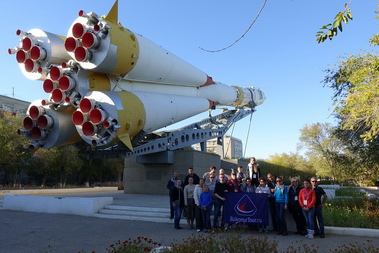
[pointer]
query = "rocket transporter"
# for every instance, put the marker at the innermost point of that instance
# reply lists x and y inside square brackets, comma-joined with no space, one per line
[109,89]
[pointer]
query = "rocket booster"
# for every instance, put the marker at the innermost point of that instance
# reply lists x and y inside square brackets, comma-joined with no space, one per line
[106,84]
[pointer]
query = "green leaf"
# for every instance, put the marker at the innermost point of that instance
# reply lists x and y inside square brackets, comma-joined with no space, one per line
[344,18]
[349,15]
[336,23]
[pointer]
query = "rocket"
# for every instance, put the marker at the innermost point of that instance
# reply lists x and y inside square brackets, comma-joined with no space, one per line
[106,84]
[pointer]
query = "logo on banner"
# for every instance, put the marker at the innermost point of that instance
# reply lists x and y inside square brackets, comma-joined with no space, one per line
[245,206]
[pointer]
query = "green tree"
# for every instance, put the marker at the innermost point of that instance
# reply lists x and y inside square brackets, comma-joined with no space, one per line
[356,87]
[325,150]
[13,152]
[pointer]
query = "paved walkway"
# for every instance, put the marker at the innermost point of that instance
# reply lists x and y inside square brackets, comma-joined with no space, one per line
[34,232]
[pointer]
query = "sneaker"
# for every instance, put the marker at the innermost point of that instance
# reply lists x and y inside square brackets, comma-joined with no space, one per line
[306,236]
[199,230]
[322,236]
[310,236]
[265,230]
[285,233]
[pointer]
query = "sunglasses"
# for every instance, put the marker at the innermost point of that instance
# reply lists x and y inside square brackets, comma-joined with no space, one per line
[314,181]
[278,180]
[211,177]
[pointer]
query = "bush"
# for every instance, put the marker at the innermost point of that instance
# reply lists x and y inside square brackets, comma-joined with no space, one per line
[350,192]
[352,212]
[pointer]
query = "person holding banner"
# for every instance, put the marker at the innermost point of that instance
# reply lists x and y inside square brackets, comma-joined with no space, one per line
[249,187]
[281,202]
[307,200]
[233,184]
[220,190]
[263,188]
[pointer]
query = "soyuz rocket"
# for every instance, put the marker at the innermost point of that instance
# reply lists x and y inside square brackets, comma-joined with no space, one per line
[107,84]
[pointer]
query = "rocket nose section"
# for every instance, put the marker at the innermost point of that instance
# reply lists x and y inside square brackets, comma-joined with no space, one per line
[258,97]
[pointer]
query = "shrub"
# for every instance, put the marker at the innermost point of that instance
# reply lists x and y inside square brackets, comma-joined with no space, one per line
[352,212]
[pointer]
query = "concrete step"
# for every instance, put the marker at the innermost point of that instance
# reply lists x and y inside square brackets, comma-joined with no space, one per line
[133,218]
[159,215]
[139,213]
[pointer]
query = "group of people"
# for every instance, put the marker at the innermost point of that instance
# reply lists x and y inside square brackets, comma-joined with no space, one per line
[197,196]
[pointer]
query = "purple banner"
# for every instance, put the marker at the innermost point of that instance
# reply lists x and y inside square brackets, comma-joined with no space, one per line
[251,208]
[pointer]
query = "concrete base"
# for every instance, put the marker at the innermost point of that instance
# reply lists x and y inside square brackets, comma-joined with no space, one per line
[62,205]
[152,178]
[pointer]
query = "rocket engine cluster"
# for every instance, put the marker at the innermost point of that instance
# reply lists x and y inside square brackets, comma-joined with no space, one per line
[107,84]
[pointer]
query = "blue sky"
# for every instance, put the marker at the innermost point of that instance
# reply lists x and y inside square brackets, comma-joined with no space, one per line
[279,55]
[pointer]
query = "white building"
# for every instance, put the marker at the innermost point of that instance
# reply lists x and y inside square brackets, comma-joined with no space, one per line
[14,105]
[230,147]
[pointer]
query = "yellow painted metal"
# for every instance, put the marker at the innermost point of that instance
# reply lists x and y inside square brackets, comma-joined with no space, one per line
[98,82]
[125,41]
[131,118]
[239,96]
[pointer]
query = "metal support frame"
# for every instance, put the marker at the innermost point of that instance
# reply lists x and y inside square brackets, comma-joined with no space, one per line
[198,132]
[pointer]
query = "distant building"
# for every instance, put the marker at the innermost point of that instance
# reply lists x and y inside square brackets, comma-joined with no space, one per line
[230,147]
[13,105]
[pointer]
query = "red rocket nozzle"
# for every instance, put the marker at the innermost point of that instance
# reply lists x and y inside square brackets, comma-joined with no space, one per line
[48,85]
[96,28]
[45,121]
[37,133]
[78,118]
[78,30]
[21,56]
[37,53]
[82,54]
[86,105]
[88,129]
[81,13]
[55,73]
[36,111]
[28,123]
[97,116]
[58,96]
[31,66]
[106,124]
[90,40]
[66,83]
[27,43]
[70,44]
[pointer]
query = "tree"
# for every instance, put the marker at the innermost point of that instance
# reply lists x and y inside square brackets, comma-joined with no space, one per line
[13,152]
[324,149]
[356,82]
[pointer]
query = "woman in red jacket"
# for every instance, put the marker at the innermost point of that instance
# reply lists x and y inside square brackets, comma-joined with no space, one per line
[307,200]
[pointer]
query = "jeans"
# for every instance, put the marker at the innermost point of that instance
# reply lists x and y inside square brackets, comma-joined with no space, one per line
[206,215]
[280,214]
[178,213]
[217,211]
[318,218]
[309,216]
[199,219]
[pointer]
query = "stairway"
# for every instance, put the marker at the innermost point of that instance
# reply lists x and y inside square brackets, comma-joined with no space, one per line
[160,215]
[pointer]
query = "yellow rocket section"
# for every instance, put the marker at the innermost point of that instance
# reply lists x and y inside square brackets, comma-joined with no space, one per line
[132,117]
[126,42]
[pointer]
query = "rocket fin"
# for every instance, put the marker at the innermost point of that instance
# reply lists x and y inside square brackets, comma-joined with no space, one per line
[125,138]
[113,13]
